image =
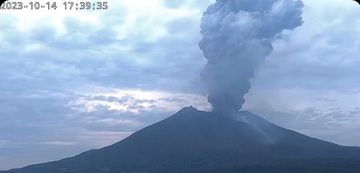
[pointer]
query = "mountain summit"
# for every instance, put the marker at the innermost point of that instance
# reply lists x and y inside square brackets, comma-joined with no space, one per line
[193,141]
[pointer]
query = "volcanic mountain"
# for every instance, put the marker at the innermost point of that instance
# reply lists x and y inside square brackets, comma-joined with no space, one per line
[193,141]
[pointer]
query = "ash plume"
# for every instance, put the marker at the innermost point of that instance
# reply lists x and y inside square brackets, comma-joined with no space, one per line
[237,37]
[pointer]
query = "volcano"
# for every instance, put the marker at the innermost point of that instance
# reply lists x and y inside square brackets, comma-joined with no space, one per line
[193,141]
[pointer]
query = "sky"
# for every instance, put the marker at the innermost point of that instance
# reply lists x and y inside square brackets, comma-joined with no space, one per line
[71,81]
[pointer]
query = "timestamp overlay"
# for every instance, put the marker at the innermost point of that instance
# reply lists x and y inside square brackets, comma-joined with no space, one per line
[18,5]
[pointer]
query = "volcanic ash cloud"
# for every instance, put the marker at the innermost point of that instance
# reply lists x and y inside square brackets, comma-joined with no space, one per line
[237,37]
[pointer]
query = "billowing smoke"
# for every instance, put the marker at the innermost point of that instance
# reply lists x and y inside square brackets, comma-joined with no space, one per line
[237,37]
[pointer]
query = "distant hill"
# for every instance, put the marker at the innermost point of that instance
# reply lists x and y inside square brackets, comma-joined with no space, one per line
[193,141]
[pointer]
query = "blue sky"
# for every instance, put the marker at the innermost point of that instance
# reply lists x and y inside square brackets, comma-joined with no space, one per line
[72,81]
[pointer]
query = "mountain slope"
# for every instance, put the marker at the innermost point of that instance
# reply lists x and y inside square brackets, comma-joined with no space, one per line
[193,141]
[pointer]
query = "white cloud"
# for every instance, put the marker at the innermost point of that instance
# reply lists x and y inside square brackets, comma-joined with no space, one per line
[331,115]
[46,60]
[137,101]
[60,143]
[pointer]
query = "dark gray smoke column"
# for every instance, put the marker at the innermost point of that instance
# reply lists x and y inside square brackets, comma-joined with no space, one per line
[237,36]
